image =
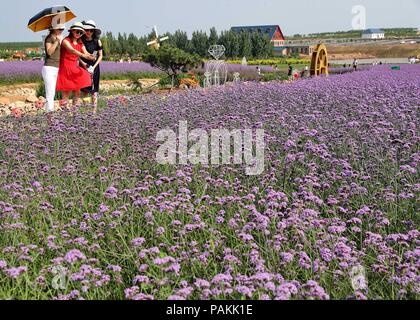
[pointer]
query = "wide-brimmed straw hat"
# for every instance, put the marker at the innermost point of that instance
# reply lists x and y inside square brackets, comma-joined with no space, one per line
[77,26]
[91,25]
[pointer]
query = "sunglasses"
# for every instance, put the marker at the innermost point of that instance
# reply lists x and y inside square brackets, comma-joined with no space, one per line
[78,32]
[90,31]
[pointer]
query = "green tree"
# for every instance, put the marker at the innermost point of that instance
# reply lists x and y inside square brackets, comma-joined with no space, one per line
[261,45]
[132,45]
[171,60]
[199,43]
[122,44]
[255,44]
[109,44]
[246,45]
[213,37]
[142,44]
[231,41]
[180,40]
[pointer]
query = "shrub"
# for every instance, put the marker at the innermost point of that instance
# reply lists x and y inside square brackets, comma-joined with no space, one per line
[172,60]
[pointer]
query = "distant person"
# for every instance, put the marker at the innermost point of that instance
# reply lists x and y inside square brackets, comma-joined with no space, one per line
[290,73]
[52,46]
[93,45]
[72,77]
[355,64]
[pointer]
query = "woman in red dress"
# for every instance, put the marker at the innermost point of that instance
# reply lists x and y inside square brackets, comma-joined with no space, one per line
[72,77]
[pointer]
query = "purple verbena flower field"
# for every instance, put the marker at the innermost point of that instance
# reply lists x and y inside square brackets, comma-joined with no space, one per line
[31,70]
[339,192]
[11,71]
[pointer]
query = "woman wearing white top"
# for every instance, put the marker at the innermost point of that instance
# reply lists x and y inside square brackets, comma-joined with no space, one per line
[52,62]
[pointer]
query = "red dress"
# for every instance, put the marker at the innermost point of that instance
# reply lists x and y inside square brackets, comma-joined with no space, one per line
[72,77]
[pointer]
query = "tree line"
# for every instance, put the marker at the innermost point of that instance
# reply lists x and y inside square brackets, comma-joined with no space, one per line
[238,45]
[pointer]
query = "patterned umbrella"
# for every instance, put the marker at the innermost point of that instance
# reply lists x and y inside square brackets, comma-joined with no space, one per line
[45,19]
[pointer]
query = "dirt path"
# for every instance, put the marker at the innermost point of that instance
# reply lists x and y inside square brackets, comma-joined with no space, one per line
[8,88]
[24,91]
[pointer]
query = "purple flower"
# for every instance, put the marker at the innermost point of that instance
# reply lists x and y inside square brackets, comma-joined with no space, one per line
[245,291]
[162,261]
[37,185]
[286,257]
[141,279]
[138,242]
[113,268]
[336,229]
[314,291]
[326,254]
[160,231]
[16,272]
[363,211]
[201,283]
[222,279]
[111,193]
[74,255]
[103,208]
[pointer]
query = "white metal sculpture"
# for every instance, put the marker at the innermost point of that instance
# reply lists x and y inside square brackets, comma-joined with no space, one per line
[236,77]
[156,41]
[207,80]
[216,70]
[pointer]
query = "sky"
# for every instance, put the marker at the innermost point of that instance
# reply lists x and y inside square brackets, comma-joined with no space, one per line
[137,16]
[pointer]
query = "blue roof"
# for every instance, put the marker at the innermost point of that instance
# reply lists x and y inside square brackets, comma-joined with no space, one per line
[371,31]
[269,29]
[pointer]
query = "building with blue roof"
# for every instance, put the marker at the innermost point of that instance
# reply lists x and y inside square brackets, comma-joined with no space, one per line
[373,34]
[273,31]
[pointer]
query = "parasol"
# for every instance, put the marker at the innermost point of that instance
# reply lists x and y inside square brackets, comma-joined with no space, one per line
[49,17]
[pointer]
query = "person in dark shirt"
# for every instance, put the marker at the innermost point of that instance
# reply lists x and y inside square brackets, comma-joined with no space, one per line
[290,73]
[94,46]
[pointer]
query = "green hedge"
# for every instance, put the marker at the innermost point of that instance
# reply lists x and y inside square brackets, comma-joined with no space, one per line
[270,62]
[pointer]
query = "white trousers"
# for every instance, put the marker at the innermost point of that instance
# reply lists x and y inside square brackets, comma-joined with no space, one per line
[50,74]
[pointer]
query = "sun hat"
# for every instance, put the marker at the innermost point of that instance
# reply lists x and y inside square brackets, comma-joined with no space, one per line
[77,26]
[58,26]
[91,25]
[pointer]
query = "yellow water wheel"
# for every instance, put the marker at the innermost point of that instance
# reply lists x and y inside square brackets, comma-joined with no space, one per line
[319,64]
